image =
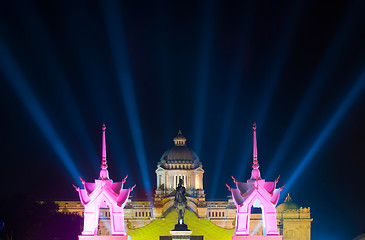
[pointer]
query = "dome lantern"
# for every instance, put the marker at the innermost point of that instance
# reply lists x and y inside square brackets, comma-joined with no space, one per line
[179,140]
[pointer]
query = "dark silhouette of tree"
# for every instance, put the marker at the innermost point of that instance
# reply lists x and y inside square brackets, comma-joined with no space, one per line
[26,218]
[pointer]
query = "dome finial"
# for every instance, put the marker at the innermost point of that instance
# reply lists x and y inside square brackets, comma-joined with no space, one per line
[288,199]
[179,140]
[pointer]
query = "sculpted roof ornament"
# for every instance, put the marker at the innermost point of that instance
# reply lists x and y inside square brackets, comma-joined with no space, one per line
[288,199]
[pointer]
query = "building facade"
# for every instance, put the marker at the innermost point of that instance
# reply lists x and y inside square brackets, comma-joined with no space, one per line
[180,162]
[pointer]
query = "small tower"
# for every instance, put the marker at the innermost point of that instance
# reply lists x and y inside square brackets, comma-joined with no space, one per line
[258,193]
[294,222]
[103,193]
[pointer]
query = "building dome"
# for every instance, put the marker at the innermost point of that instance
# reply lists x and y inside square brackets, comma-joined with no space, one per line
[287,204]
[361,237]
[180,156]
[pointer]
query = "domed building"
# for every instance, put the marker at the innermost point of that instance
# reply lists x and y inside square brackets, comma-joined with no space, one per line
[216,218]
[294,222]
[177,163]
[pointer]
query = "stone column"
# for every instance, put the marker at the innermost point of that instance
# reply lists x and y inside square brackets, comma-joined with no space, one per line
[90,220]
[117,220]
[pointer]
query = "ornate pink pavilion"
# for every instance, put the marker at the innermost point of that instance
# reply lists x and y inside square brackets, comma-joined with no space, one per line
[258,193]
[103,193]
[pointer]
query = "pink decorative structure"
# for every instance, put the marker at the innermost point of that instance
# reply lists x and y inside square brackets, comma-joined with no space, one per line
[257,193]
[103,193]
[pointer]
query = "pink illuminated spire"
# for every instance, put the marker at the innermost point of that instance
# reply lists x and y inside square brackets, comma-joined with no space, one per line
[103,165]
[104,174]
[255,174]
[255,165]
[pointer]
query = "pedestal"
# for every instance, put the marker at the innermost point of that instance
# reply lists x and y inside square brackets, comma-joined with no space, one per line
[257,237]
[108,237]
[180,231]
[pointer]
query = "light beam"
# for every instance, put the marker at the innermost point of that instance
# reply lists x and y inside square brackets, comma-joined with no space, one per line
[337,117]
[19,84]
[204,69]
[119,51]
[323,72]
[41,37]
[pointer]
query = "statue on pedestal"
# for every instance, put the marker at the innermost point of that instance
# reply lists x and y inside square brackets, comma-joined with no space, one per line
[180,201]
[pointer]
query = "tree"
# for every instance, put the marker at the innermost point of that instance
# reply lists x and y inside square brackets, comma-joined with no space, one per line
[28,219]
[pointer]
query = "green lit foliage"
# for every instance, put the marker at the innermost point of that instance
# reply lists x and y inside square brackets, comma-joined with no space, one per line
[162,227]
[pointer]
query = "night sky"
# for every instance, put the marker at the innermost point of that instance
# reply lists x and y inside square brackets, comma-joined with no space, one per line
[209,68]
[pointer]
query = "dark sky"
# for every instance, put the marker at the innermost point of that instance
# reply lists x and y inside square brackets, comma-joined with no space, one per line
[209,68]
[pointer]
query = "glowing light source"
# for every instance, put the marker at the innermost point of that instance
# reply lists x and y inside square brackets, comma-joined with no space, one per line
[197,182]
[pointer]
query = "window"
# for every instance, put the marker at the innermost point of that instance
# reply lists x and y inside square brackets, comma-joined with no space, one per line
[209,214]
[222,214]
[139,214]
[219,214]
[136,214]
[142,214]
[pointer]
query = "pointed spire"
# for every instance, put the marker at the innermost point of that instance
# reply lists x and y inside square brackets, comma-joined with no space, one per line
[103,165]
[104,174]
[255,165]
[288,199]
[255,174]
[254,144]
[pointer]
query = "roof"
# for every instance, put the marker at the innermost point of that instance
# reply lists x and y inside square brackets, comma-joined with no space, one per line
[179,154]
[287,204]
[255,189]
